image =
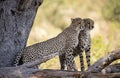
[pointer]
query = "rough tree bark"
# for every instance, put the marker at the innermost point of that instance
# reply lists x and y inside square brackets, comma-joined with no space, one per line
[16,20]
[114,68]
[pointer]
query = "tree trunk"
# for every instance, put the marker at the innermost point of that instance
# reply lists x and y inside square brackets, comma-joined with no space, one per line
[16,20]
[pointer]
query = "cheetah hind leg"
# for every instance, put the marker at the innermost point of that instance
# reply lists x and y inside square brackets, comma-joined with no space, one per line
[70,63]
[62,61]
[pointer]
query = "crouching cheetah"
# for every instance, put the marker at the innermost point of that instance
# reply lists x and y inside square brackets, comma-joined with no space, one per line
[67,41]
[84,45]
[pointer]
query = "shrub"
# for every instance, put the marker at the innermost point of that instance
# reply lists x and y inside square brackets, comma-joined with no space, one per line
[111,10]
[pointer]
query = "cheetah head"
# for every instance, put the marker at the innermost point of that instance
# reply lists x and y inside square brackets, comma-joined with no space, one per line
[78,22]
[89,23]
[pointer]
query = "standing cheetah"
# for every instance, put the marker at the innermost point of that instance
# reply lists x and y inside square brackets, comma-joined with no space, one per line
[84,45]
[67,41]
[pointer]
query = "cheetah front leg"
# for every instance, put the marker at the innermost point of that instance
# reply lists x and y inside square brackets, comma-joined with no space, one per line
[87,52]
[81,60]
[70,60]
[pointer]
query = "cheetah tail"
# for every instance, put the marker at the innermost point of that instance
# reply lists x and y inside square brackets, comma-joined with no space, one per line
[17,58]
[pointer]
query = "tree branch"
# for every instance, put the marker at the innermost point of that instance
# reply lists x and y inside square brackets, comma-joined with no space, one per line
[115,68]
[49,73]
[104,61]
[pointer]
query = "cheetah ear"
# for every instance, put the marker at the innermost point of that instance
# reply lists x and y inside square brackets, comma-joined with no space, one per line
[72,20]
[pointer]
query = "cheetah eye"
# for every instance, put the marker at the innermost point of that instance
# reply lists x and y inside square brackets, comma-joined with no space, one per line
[79,23]
[88,22]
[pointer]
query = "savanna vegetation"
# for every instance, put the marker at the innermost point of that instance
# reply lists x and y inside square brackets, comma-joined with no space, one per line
[54,15]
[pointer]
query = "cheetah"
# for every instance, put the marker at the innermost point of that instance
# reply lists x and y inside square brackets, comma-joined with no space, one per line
[66,40]
[84,45]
